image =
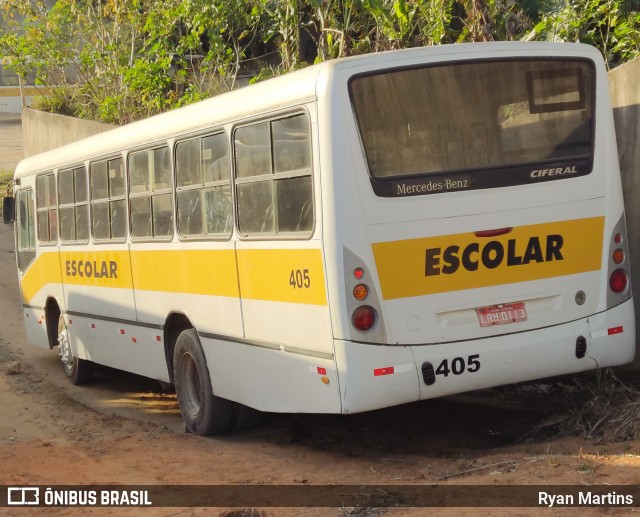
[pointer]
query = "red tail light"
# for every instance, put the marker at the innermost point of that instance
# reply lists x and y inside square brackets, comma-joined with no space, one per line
[364,317]
[618,281]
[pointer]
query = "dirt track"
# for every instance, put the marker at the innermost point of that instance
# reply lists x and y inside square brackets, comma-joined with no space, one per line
[10,141]
[123,430]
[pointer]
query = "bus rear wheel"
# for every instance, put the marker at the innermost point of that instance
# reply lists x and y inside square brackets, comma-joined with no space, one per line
[78,371]
[203,412]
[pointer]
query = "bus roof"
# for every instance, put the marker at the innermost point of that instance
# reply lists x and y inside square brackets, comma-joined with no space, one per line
[276,93]
[245,102]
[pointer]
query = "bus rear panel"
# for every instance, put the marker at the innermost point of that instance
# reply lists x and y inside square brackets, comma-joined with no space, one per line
[486,243]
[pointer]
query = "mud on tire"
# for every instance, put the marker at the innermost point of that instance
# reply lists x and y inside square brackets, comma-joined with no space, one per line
[203,412]
[78,371]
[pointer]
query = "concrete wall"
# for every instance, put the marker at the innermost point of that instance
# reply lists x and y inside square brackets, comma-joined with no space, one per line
[624,82]
[43,131]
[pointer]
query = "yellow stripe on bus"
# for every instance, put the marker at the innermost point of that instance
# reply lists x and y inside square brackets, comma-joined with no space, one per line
[211,272]
[418,267]
[283,275]
[96,268]
[295,276]
[44,270]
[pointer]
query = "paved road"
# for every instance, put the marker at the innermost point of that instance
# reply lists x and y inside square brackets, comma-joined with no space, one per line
[11,146]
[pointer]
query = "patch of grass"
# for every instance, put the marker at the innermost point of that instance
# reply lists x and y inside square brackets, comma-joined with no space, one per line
[599,407]
[5,178]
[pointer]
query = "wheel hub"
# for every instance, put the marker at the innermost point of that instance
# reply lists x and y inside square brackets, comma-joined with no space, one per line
[64,351]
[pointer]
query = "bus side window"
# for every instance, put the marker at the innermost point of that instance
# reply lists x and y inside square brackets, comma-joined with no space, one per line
[73,206]
[277,198]
[26,229]
[46,209]
[108,204]
[150,193]
[203,189]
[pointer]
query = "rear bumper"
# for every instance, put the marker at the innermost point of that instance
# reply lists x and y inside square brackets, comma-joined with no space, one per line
[374,376]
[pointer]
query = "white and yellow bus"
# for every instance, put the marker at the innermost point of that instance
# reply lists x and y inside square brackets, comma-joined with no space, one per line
[362,233]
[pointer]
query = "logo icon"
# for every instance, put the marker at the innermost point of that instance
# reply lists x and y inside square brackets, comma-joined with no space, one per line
[23,496]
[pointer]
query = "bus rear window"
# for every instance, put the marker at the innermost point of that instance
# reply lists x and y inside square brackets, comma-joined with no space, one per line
[475,124]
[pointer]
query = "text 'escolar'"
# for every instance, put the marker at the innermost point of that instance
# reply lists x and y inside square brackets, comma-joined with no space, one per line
[491,255]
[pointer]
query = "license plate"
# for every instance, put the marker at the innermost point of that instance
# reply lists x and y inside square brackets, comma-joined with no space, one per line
[501,314]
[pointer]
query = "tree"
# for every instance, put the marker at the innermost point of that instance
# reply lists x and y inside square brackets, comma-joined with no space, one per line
[120,60]
[613,26]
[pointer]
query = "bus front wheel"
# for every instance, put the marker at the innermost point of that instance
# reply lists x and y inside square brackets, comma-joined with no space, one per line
[203,412]
[78,371]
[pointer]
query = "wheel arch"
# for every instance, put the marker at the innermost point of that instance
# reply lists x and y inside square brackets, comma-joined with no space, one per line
[52,314]
[175,324]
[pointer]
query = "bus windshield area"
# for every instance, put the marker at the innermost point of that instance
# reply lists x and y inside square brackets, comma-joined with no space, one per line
[476,116]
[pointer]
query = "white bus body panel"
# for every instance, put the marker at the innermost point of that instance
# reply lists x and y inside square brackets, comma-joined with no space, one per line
[387,376]
[273,379]
[413,329]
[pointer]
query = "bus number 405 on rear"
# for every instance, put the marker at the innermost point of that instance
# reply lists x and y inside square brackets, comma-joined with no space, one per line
[459,365]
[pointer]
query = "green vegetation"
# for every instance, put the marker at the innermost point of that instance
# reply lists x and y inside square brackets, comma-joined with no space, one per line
[121,60]
[5,179]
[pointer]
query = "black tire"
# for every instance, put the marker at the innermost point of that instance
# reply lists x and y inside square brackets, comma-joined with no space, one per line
[78,371]
[203,412]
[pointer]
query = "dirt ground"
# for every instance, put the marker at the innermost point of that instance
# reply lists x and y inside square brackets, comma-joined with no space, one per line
[124,430]
[48,437]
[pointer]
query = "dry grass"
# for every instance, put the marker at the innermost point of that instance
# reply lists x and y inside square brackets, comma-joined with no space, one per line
[611,414]
[602,408]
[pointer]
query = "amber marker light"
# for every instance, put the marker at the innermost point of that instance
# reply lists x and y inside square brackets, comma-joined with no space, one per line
[360,292]
[618,256]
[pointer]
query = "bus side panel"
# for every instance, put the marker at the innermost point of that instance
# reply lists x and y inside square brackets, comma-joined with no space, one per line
[35,326]
[97,290]
[40,281]
[269,379]
[97,281]
[373,377]
[283,292]
[81,337]
[198,280]
[126,346]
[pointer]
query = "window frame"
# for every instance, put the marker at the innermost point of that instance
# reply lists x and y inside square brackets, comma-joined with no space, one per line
[75,204]
[204,186]
[508,175]
[150,194]
[48,209]
[108,200]
[31,229]
[274,176]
